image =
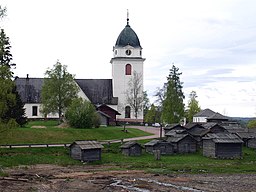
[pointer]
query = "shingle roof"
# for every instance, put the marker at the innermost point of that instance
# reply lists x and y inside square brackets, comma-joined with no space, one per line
[155,141]
[218,116]
[99,91]
[205,113]
[176,138]
[172,126]
[246,135]
[129,144]
[223,138]
[88,144]
[209,125]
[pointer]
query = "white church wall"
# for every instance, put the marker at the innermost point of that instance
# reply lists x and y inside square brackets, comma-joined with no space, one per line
[32,111]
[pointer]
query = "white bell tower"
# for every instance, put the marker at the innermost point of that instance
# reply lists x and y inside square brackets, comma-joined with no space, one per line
[127,58]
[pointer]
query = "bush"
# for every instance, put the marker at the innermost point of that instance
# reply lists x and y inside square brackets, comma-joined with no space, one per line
[81,114]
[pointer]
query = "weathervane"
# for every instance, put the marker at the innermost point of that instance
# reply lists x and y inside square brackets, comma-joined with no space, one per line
[127,16]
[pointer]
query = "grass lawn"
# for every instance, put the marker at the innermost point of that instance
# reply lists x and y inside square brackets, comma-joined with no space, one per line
[53,134]
[178,163]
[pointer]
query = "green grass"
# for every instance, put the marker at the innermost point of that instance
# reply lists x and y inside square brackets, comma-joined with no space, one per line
[178,163]
[32,156]
[53,134]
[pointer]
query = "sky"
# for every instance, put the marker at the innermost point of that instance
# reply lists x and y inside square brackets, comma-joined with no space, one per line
[212,42]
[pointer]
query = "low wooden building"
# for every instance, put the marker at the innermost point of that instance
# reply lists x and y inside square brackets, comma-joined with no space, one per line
[248,137]
[173,127]
[131,148]
[214,128]
[86,150]
[166,148]
[182,143]
[222,145]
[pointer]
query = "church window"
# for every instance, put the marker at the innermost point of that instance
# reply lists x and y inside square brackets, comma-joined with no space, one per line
[127,112]
[115,52]
[128,69]
[34,110]
[140,52]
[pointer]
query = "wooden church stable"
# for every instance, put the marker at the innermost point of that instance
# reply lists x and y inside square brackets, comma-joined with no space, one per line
[131,148]
[165,147]
[222,145]
[86,150]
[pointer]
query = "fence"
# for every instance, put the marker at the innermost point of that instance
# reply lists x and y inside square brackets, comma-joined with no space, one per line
[54,144]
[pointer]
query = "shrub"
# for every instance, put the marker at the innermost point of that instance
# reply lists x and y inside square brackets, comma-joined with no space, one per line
[81,114]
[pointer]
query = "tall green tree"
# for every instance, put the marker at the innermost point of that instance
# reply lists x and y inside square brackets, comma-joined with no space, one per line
[58,90]
[146,103]
[134,96]
[7,97]
[173,106]
[193,106]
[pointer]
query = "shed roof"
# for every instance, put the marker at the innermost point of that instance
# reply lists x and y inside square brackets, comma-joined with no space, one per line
[192,125]
[218,116]
[176,138]
[223,138]
[246,135]
[172,126]
[210,125]
[129,144]
[156,141]
[205,113]
[88,144]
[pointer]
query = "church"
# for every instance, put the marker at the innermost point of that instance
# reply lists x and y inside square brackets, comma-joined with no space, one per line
[108,95]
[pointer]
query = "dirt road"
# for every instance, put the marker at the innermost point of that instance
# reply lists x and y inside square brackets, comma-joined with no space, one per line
[51,178]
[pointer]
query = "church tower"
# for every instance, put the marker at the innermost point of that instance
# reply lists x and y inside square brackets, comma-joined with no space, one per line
[127,60]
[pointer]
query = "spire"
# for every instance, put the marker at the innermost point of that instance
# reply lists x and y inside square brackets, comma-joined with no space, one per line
[128,17]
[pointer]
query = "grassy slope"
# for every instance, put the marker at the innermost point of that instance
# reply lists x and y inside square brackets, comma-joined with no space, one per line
[51,134]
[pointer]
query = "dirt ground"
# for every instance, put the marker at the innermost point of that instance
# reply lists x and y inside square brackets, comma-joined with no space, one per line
[51,178]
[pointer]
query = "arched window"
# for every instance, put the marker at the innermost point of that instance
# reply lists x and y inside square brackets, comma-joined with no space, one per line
[127,112]
[128,69]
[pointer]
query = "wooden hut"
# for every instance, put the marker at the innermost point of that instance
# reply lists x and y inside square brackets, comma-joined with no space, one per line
[248,138]
[197,131]
[182,143]
[131,148]
[214,128]
[173,127]
[86,150]
[165,147]
[222,145]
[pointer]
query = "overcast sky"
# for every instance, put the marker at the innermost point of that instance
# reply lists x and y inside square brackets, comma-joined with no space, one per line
[212,42]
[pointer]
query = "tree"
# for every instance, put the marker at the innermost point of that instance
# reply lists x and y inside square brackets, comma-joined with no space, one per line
[82,114]
[173,106]
[58,90]
[193,106]
[7,98]
[252,124]
[134,95]
[146,103]
[152,115]
[2,12]
[17,111]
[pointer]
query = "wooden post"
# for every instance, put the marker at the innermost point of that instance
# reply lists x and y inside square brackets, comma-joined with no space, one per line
[161,130]
[157,154]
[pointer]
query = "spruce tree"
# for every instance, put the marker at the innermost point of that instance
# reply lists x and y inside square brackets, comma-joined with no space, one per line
[173,106]
[7,98]
[11,106]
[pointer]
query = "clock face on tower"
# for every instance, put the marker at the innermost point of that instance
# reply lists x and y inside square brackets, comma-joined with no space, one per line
[128,52]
